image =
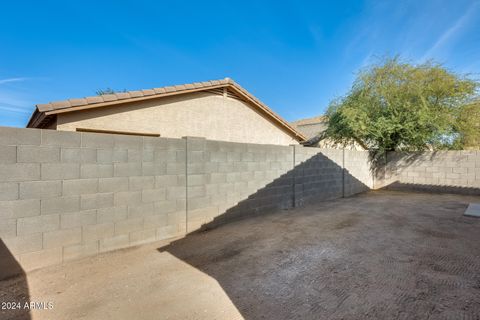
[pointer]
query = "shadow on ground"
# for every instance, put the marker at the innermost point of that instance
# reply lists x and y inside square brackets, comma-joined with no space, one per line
[401,186]
[378,255]
[14,285]
[259,246]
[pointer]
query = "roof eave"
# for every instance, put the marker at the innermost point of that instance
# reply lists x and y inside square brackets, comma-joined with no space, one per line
[35,118]
[41,111]
[116,102]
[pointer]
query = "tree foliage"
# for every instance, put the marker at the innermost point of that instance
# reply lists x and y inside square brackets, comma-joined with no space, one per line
[395,105]
[468,127]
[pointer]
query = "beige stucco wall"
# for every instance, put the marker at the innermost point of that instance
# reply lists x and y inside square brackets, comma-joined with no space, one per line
[199,114]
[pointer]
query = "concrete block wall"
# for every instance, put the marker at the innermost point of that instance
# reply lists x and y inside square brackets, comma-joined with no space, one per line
[66,195]
[238,180]
[227,179]
[359,176]
[322,174]
[318,174]
[448,171]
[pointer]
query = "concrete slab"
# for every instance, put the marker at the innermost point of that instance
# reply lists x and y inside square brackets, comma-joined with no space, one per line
[473,210]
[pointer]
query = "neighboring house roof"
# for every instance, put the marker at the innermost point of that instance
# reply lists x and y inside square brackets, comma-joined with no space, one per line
[45,113]
[311,128]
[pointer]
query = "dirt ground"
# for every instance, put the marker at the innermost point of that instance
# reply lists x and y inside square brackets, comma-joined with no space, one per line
[379,255]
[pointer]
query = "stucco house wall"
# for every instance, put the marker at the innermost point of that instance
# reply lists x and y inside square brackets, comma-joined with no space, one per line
[200,114]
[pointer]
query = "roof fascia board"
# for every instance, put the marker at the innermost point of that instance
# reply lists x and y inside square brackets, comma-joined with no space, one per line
[110,103]
[232,85]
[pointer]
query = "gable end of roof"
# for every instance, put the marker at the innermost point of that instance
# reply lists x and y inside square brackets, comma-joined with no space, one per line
[44,113]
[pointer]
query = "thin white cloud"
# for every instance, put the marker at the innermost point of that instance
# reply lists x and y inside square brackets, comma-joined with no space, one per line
[14,109]
[451,32]
[8,80]
[13,98]
[13,102]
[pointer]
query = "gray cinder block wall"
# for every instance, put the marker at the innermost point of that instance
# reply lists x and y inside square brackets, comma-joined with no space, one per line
[239,180]
[318,174]
[222,175]
[439,171]
[359,176]
[322,174]
[66,195]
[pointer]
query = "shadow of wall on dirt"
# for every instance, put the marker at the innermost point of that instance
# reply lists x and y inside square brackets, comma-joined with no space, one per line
[13,286]
[397,185]
[213,251]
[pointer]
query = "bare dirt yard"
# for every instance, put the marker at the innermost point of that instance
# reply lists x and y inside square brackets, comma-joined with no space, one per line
[378,255]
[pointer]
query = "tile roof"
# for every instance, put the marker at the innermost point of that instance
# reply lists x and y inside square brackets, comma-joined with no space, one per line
[45,110]
[311,127]
[89,101]
[313,120]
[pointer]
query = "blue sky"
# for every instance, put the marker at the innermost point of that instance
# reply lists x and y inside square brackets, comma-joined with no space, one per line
[296,56]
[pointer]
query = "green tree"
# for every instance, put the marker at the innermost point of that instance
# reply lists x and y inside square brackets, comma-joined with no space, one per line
[395,105]
[468,126]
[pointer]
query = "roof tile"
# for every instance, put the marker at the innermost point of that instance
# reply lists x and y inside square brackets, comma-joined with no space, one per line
[60,104]
[77,102]
[170,89]
[122,95]
[159,90]
[109,97]
[44,107]
[180,87]
[94,99]
[309,121]
[136,94]
[147,92]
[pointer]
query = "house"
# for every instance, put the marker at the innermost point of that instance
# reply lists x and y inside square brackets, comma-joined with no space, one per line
[314,128]
[216,110]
